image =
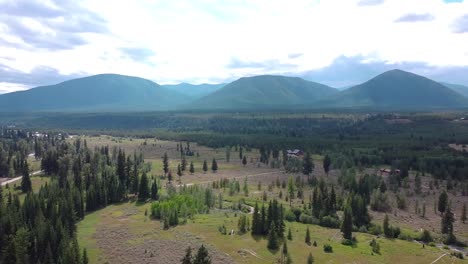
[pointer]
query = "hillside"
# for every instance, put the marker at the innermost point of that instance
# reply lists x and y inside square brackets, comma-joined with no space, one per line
[195,91]
[104,92]
[463,90]
[400,90]
[265,91]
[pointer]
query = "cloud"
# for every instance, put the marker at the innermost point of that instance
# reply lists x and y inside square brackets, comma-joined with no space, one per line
[138,54]
[370,2]
[28,8]
[415,18]
[460,25]
[40,75]
[214,41]
[55,26]
[270,65]
[295,55]
[346,71]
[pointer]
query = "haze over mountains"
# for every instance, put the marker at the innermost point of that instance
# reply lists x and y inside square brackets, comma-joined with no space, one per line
[393,89]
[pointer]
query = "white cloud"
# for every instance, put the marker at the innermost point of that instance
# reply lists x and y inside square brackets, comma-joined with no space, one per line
[197,41]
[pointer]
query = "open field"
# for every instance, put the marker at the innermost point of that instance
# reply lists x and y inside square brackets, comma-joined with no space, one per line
[122,233]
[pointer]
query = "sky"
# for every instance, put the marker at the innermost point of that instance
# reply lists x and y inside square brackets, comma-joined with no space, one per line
[335,42]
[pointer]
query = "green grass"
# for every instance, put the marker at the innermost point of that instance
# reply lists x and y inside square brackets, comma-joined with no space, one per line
[85,235]
[205,228]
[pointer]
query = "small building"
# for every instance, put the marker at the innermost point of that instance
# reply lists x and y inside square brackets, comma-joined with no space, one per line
[296,153]
[389,171]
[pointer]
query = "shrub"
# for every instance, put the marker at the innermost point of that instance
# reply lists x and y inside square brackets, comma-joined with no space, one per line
[375,230]
[290,216]
[327,248]
[401,202]
[375,246]
[307,219]
[347,242]
[426,236]
[329,221]
[457,254]
[380,202]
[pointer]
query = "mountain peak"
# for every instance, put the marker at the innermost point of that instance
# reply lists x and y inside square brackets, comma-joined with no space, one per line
[399,89]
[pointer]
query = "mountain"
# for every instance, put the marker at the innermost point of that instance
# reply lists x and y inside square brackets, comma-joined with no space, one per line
[463,90]
[400,90]
[265,91]
[195,91]
[103,92]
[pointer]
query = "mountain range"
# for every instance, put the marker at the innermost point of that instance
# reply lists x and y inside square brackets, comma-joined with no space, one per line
[393,89]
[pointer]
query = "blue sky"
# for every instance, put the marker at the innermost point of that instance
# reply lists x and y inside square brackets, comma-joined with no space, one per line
[335,42]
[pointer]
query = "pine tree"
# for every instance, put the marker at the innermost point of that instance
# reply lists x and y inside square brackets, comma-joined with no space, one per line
[26,185]
[240,153]
[136,178]
[289,234]
[284,252]
[143,193]
[386,228]
[347,226]
[179,172]
[214,166]
[447,221]
[188,256]
[463,214]
[192,168]
[154,190]
[308,164]
[183,164]
[307,236]
[85,259]
[244,161]
[256,225]
[205,166]
[246,187]
[443,199]
[202,256]
[417,184]
[310,259]
[272,238]
[326,164]
[166,163]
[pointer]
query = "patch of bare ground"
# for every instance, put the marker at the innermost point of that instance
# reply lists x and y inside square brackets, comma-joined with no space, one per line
[120,244]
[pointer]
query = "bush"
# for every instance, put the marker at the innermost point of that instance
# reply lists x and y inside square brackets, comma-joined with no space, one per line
[401,202]
[375,246]
[222,230]
[307,219]
[329,221]
[290,216]
[457,254]
[380,202]
[327,248]
[347,242]
[375,230]
[426,236]
[404,236]
[432,244]
[362,229]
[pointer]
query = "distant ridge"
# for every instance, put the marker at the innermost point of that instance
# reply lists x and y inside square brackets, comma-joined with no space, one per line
[265,91]
[194,90]
[103,92]
[461,89]
[398,89]
[395,90]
